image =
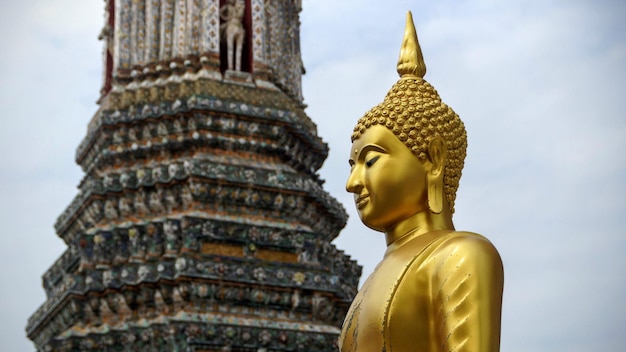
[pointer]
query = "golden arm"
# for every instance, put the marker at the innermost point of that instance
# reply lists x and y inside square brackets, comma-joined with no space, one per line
[467,288]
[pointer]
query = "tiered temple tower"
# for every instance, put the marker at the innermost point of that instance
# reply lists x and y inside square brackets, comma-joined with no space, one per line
[201,223]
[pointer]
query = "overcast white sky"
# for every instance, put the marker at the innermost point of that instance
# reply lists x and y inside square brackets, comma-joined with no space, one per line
[540,85]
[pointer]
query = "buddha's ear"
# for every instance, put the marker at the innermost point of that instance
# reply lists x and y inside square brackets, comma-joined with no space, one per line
[437,153]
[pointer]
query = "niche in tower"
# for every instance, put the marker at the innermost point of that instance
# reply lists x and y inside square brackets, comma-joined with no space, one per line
[236,21]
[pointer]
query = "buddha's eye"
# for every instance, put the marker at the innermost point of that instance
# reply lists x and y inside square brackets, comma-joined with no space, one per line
[371,162]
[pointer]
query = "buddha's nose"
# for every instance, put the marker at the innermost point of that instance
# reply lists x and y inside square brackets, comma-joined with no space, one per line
[354,183]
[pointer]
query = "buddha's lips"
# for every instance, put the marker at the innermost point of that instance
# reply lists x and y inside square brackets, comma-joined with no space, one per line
[361,200]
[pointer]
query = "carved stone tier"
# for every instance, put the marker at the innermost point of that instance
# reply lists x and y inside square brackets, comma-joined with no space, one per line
[193,270]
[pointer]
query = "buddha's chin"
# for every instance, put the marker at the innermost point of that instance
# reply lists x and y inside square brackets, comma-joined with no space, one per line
[369,223]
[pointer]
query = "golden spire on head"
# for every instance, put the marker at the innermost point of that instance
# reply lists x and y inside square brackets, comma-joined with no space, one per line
[411,62]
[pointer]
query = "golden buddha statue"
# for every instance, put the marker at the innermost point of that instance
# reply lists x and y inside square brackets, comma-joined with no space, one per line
[436,289]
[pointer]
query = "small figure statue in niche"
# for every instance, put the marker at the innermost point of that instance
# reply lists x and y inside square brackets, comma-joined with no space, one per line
[156,202]
[135,244]
[140,203]
[124,206]
[109,210]
[436,289]
[232,30]
[99,250]
[186,197]
[170,228]
[173,170]
[171,201]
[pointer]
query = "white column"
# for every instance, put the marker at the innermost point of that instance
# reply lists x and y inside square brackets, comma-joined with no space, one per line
[137,32]
[122,34]
[132,36]
[180,18]
[194,23]
[153,25]
[258,31]
[106,39]
[210,30]
[167,19]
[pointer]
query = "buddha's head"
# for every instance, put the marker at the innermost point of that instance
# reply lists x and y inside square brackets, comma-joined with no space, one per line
[408,151]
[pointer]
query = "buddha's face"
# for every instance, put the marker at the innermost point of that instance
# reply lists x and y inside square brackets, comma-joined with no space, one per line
[388,181]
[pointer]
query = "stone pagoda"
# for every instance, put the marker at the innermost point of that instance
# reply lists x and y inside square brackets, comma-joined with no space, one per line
[201,223]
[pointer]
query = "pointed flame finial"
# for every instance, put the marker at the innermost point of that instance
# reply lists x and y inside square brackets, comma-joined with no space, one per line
[411,63]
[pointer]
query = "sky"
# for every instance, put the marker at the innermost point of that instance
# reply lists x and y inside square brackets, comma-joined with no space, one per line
[540,86]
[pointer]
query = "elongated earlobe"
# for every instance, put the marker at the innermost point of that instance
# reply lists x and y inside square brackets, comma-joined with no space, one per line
[437,152]
[435,197]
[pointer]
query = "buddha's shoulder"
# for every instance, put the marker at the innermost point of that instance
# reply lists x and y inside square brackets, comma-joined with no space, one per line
[463,247]
[464,239]
[449,240]
[443,246]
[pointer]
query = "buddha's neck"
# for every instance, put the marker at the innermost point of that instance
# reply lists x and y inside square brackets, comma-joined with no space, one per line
[419,224]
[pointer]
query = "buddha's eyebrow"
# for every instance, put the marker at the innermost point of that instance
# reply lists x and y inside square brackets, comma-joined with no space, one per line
[360,154]
[369,148]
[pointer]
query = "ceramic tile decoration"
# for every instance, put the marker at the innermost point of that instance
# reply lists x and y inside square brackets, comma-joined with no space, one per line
[201,223]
